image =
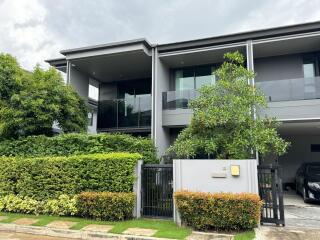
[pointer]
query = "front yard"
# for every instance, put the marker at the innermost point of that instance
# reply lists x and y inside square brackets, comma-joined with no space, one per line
[162,228]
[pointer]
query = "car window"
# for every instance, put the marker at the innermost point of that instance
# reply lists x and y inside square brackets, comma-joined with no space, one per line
[313,170]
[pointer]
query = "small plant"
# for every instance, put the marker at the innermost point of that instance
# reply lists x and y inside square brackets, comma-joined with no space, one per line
[224,124]
[218,211]
[63,206]
[106,205]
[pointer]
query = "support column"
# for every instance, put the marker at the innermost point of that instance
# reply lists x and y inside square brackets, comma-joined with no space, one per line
[161,84]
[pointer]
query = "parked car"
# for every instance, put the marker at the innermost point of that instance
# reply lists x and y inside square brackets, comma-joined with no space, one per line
[308,181]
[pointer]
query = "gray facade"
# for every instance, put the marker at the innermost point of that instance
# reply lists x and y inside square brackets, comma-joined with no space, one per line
[276,55]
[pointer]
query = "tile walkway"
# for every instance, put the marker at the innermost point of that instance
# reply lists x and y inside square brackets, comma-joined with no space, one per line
[140,232]
[97,228]
[25,221]
[61,224]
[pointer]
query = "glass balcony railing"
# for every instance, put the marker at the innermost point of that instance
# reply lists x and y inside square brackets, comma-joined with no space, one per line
[291,89]
[178,99]
[134,112]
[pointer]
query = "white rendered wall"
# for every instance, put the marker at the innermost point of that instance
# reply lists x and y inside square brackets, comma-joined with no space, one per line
[199,175]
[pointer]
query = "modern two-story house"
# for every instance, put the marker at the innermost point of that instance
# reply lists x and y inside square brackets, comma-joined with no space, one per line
[143,89]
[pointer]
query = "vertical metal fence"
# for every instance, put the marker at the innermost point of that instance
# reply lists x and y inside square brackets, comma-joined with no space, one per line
[157,190]
[270,191]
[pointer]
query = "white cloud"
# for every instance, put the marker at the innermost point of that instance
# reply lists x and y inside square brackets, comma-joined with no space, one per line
[34,30]
[24,33]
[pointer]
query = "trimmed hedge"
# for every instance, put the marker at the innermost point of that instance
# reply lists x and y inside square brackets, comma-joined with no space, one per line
[63,206]
[49,177]
[218,211]
[77,143]
[106,205]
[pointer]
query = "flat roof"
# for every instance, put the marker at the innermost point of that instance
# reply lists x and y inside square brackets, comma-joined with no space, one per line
[242,36]
[108,45]
[203,42]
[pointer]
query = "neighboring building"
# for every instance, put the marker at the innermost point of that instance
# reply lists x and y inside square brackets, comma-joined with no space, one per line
[144,89]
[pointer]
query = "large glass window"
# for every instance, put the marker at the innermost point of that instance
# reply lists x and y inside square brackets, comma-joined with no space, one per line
[204,76]
[93,92]
[309,70]
[194,78]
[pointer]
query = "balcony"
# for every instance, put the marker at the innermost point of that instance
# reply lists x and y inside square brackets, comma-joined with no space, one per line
[291,89]
[130,113]
[178,99]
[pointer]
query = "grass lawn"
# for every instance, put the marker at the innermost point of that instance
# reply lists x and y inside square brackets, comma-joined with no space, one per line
[165,228]
[245,236]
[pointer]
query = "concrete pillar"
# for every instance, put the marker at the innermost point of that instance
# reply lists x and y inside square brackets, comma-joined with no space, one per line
[161,84]
[137,189]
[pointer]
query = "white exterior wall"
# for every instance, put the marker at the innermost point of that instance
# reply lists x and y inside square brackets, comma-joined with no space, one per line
[201,175]
[80,82]
[197,175]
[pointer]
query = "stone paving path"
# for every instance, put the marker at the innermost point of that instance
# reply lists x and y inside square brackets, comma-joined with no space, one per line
[25,221]
[140,232]
[3,218]
[61,224]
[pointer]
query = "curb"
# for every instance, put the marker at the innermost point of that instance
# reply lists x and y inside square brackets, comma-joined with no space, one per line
[67,233]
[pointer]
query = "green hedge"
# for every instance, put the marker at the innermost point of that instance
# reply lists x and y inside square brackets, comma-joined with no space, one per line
[218,211]
[49,177]
[106,205]
[69,144]
[64,205]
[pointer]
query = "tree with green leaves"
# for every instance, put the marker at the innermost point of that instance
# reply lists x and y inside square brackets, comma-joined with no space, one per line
[31,102]
[224,125]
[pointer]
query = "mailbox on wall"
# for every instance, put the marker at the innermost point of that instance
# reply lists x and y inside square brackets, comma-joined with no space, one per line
[235,170]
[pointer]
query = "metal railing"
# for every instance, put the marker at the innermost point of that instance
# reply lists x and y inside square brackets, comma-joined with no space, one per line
[134,112]
[178,99]
[291,89]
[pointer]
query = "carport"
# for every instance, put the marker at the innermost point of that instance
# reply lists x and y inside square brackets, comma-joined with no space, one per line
[304,137]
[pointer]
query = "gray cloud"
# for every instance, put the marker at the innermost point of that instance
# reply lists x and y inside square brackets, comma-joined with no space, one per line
[41,28]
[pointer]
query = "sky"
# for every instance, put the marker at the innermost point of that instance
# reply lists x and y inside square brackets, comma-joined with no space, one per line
[35,30]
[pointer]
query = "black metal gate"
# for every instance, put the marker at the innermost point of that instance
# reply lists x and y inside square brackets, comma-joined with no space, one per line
[270,191]
[157,190]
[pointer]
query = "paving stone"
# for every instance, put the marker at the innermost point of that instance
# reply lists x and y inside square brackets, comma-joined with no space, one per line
[97,228]
[61,224]
[209,236]
[25,221]
[3,218]
[140,231]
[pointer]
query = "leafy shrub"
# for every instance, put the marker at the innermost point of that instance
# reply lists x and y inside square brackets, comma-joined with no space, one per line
[12,203]
[106,205]
[63,206]
[218,211]
[69,144]
[49,177]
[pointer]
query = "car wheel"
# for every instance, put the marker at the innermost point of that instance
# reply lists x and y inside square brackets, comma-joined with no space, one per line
[304,195]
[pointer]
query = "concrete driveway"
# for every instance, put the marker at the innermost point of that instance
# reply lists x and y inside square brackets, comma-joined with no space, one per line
[302,221]
[300,214]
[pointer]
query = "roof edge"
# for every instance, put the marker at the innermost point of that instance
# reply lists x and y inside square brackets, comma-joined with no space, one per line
[242,36]
[108,45]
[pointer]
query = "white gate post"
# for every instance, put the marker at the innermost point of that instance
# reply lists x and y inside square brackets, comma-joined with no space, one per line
[137,190]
